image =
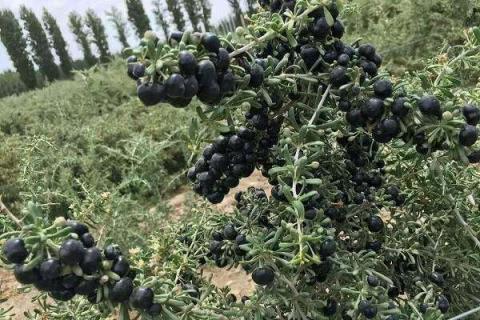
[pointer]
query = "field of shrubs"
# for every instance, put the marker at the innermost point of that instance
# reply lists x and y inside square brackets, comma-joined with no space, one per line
[364,201]
[87,147]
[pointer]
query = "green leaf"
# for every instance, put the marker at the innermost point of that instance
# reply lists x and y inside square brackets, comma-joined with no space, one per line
[314,181]
[276,170]
[298,205]
[476,33]
[291,40]
[329,17]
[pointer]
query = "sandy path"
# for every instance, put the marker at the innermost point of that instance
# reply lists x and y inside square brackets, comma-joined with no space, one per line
[21,302]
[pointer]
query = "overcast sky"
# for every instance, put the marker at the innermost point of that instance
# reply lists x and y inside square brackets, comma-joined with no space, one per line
[61,8]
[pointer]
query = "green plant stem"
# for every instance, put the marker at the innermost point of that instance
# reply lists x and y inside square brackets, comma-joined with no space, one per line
[267,35]
[471,233]
[297,155]
[459,57]
[9,214]
[466,314]
[320,105]
[251,45]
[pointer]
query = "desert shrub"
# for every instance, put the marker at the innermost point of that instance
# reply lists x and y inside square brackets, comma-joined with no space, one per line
[11,84]
[373,212]
[420,28]
[85,145]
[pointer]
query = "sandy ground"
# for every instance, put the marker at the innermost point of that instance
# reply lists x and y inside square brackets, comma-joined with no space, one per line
[237,280]
[21,302]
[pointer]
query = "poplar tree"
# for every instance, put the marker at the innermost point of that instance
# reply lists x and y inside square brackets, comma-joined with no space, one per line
[37,38]
[206,13]
[251,5]
[58,42]
[16,45]
[97,31]
[177,14]
[120,24]
[192,8]
[237,11]
[76,25]
[160,17]
[138,17]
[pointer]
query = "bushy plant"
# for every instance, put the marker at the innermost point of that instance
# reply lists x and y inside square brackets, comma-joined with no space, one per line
[417,36]
[373,212]
[11,84]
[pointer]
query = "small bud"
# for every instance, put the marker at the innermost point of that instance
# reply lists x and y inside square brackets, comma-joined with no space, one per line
[315,165]
[107,264]
[77,271]
[104,279]
[447,115]
[60,221]
[240,31]
[150,35]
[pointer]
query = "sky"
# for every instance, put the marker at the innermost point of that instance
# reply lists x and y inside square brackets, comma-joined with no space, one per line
[60,9]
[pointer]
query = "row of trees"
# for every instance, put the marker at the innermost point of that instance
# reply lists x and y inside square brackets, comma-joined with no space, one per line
[34,44]
[42,39]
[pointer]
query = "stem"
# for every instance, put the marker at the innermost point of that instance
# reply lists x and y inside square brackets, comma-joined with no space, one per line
[470,231]
[250,46]
[297,155]
[267,35]
[466,314]
[320,105]
[440,75]
[9,214]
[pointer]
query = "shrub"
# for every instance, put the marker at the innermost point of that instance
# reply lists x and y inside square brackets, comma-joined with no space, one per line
[373,210]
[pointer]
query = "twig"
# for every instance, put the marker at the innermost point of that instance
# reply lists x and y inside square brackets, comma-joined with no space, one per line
[320,105]
[9,214]
[470,231]
[466,314]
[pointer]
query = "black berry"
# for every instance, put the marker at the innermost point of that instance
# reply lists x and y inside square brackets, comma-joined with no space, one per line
[142,298]
[15,250]
[72,252]
[122,290]
[263,276]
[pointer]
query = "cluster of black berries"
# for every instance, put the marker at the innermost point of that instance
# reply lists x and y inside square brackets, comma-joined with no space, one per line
[234,156]
[367,173]
[209,80]
[80,268]
[267,130]
[248,203]
[225,246]
[223,163]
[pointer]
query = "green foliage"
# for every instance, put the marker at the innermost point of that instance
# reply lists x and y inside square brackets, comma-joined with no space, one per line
[160,17]
[12,37]
[77,28]
[206,13]
[58,42]
[39,43]
[192,7]
[421,27]
[177,13]
[138,17]
[10,84]
[85,148]
[88,150]
[120,24]
[97,30]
